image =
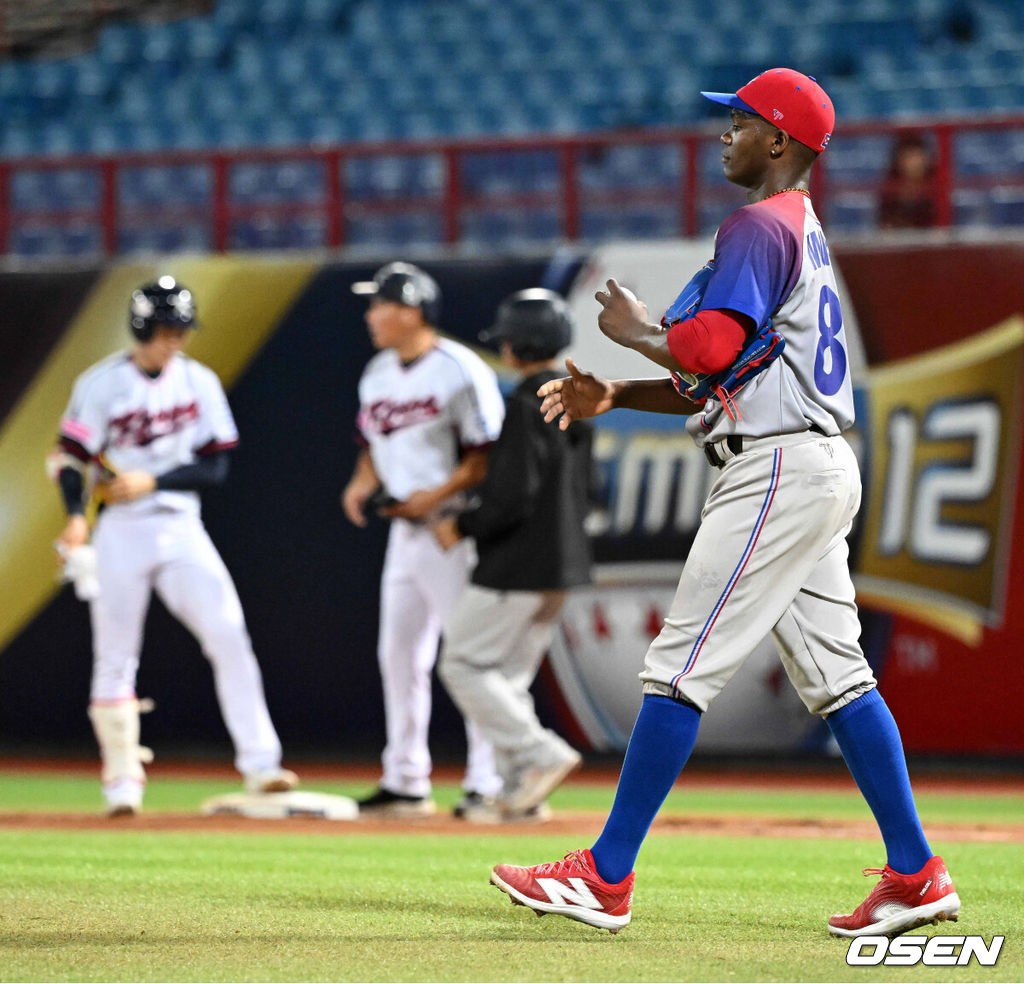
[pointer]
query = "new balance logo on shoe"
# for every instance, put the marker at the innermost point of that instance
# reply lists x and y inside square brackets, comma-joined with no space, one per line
[571,887]
[579,894]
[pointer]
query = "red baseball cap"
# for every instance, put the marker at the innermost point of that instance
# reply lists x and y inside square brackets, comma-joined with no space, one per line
[791,101]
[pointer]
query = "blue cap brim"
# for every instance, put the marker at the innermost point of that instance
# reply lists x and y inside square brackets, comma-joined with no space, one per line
[731,100]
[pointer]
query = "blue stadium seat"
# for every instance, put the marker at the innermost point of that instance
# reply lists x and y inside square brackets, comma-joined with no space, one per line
[394,231]
[1007,206]
[852,211]
[205,41]
[119,43]
[18,139]
[279,17]
[321,15]
[987,152]
[235,16]
[321,72]
[970,207]
[858,158]
[629,222]
[164,47]
[279,232]
[77,188]
[154,236]
[286,181]
[637,166]
[66,239]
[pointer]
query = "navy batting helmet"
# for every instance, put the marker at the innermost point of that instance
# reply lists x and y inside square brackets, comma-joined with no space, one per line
[536,324]
[405,284]
[164,302]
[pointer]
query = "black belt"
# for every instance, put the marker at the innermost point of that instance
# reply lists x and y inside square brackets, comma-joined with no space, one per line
[734,442]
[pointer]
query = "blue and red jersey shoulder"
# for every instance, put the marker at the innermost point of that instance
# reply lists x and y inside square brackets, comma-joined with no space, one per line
[758,257]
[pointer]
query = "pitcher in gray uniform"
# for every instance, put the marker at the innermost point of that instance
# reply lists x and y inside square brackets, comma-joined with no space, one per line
[757,356]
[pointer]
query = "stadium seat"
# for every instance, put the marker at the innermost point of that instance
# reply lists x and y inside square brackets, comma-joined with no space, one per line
[394,231]
[318,73]
[1007,206]
[853,211]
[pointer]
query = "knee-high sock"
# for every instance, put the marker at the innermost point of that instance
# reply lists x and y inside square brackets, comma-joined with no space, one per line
[663,737]
[871,744]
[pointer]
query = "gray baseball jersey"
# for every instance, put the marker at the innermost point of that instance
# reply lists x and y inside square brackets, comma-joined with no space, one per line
[772,261]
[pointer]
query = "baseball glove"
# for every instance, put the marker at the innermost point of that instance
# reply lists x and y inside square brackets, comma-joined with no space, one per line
[759,353]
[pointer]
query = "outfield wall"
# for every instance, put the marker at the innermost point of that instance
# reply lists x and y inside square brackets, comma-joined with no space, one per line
[937,552]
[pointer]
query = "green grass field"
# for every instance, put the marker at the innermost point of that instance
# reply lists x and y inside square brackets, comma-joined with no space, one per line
[144,905]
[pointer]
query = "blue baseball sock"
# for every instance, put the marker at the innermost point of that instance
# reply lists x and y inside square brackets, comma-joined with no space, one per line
[663,737]
[870,743]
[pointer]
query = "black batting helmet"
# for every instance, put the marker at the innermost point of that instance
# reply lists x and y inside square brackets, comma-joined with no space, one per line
[163,302]
[405,284]
[536,324]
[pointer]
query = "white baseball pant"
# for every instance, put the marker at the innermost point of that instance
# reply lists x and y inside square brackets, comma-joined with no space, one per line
[171,553]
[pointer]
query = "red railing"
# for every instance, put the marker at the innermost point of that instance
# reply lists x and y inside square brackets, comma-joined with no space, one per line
[693,191]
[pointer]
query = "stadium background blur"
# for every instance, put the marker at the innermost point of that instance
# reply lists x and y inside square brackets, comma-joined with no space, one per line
[502,143]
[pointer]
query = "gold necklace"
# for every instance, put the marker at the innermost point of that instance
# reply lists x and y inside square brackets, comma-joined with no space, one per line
[783,191]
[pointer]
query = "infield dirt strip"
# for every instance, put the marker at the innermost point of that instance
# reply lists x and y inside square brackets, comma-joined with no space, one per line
[571,824]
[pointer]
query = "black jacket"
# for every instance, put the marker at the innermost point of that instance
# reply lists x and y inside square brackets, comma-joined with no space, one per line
[528,524]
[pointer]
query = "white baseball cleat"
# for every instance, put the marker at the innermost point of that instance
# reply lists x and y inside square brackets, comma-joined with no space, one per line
[494,812]
[537,782]
[123,797]
[271,781]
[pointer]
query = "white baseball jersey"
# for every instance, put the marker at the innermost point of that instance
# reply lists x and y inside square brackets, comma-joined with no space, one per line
[417,418]
[772,261]
[154,425]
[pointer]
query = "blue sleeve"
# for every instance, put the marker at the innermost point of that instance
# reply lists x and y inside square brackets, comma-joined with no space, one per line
[754,259]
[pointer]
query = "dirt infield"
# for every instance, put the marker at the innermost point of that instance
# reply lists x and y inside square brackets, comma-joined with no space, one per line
[572,825]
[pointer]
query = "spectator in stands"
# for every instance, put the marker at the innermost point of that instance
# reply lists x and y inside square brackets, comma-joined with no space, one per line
[908,198]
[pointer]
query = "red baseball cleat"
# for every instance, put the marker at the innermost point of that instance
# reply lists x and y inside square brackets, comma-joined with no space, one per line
[570,887]
[901,902]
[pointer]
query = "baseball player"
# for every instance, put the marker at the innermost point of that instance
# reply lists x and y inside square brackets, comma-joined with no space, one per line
[756,349]
[429,411]
[528,527]
[160,427]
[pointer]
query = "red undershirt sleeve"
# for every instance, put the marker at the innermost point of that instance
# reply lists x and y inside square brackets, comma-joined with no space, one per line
[709,341]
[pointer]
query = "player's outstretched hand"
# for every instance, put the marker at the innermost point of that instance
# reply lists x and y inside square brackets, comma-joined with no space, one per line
[575,397]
